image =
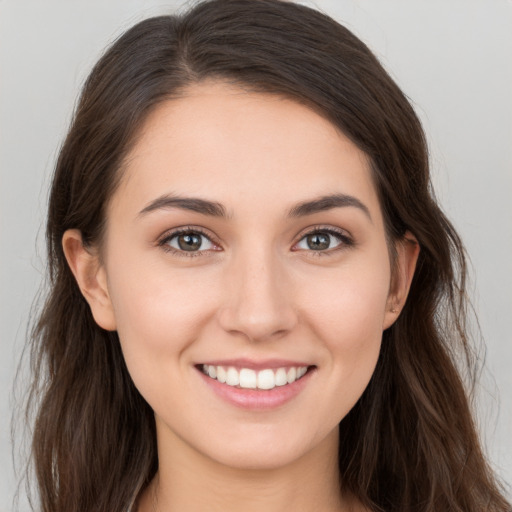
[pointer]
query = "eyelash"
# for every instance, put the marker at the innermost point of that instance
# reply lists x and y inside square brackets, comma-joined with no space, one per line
[345,241]
[164,241]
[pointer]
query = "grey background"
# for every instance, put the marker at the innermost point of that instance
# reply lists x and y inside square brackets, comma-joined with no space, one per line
[452,57]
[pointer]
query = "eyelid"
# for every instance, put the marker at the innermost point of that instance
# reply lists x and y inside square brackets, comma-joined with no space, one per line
[343,235]
[163,240]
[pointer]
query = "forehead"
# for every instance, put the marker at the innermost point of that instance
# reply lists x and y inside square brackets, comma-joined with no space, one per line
[221,140]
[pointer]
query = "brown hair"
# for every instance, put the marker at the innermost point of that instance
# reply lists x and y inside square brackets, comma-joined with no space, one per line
[410,442]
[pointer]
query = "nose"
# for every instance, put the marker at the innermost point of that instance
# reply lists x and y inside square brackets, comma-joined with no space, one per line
[259,304]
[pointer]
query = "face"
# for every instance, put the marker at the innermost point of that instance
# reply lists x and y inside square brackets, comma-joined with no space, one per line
[247,274]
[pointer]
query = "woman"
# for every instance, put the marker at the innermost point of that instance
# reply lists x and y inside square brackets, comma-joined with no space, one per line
[255,299]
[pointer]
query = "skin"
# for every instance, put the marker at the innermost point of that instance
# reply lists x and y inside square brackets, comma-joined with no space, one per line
[255,289]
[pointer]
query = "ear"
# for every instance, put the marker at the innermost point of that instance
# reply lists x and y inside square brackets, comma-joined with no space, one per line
[407,251]
[91,277]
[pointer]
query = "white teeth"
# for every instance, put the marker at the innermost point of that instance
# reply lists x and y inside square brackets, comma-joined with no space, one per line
[232,377]
[221,374]
[250,379]
[291,375]
[266,379]
[281,377]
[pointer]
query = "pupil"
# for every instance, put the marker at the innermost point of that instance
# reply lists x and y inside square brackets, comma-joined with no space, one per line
[318,241]
[190,242]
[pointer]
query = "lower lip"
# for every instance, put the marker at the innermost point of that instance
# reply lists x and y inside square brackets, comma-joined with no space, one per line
[257,399]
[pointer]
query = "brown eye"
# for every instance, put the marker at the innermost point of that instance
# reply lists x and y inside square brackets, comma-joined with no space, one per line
[190,241]
[320,241]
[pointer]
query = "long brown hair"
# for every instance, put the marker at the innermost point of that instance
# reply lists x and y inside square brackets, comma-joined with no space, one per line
[410,442]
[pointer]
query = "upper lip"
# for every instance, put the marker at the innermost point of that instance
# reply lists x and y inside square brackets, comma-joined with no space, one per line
[254,364]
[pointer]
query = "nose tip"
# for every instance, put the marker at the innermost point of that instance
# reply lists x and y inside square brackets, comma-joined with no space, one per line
[259,306]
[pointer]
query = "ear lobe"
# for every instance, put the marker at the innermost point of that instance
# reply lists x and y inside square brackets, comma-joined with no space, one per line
[91,278]
[407,252]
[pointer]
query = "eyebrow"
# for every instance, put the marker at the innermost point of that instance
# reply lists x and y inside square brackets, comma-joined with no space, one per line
[202,206]
[329,202]
[215,209]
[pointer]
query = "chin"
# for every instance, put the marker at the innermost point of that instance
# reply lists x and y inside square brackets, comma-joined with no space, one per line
[261,452]
[258,458]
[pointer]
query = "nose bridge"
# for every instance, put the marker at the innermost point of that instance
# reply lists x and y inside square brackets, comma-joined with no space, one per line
[259,305]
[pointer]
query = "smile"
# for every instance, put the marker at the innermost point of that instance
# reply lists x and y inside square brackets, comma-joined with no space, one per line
[247,378]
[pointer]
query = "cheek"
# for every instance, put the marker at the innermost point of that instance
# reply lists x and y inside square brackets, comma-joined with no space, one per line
[350,304]
[347,313]
[159,314]
[158,320]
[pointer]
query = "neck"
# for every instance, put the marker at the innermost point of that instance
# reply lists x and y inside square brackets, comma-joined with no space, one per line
[190,481]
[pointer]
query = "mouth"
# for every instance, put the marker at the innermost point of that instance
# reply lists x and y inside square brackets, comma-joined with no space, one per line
[264,379]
